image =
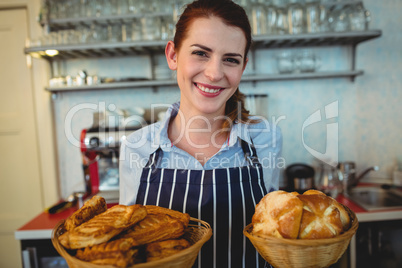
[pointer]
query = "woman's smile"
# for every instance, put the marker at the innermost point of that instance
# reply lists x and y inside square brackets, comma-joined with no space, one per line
[209,90]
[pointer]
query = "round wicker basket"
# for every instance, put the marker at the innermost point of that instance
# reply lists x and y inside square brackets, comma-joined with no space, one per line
[281,252]
[197,233]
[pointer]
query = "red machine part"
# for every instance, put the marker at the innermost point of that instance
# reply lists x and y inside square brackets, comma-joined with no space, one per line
[90,164]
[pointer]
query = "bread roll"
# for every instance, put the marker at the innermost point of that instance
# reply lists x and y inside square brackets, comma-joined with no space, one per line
[321,217]
[278,214]
[312,215]
[345,217]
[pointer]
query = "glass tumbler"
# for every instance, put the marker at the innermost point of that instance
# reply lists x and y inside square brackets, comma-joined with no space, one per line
[295,17]
[271,17]
[258,19]
[282,26]
[285,62]
[313,11]
[150,28]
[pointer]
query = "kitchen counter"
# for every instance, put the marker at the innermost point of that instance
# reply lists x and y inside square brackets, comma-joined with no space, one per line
[42,225]
[370,216]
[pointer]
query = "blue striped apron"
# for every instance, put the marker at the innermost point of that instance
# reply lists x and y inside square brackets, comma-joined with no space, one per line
[225,198]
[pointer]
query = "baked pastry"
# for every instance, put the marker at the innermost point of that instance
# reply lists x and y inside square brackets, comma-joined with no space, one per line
[118,252]
[155,227]
[183,217]
[321,217]
[313,192]
[345,217]
[159,250]
[278,214]
[90,209]
[104,226]
[312,215]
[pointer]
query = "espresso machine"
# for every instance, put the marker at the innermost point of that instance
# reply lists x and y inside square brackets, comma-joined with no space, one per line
[100,148]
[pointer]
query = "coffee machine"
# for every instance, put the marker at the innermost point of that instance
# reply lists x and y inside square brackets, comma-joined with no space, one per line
[100,149]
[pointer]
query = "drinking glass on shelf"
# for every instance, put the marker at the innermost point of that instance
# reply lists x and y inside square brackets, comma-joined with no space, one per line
[122,7]
[358,17]
[167,28]
[82,33]
[307,61]
[324,23]
[313,11]
[296,17]
[114,32]
[271,17]
[62,7]
[285,62]
[258,18]
[113,7]
[133,6]
[53,10]
[282,26]
[150,27]
[339,20]
[136,30]
[81,6]
[93,8]
[127,29]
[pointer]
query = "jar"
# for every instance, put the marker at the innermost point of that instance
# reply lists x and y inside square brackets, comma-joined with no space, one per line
[339,19]
[359,17]
[308,61]
[285,62]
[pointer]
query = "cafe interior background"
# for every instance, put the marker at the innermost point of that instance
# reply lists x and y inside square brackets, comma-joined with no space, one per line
[40,163]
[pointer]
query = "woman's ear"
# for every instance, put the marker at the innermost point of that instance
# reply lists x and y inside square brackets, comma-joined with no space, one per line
[171,56]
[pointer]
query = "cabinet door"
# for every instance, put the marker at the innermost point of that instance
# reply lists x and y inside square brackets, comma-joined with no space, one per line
[20,186]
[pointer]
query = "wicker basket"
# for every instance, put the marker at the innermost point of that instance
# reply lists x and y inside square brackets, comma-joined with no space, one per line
[197,233]
[281,252]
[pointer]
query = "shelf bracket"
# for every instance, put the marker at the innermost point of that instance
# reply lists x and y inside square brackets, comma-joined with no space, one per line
[353,61]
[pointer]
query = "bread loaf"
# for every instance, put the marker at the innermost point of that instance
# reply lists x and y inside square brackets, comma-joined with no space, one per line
[320,218]
[278,214]
[312,215]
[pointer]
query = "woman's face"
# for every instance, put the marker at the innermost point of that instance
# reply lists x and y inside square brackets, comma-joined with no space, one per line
[209,66]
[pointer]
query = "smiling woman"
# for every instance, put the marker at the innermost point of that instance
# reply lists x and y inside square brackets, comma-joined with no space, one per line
[205,157]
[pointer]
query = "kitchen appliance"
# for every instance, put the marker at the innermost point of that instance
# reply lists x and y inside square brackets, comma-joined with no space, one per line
[100,148]
[300,177]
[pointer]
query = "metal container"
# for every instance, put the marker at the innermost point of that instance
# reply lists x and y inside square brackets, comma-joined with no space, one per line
[300,177]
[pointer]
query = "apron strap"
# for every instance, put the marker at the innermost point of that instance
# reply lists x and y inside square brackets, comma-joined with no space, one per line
[154,158]
[250,153]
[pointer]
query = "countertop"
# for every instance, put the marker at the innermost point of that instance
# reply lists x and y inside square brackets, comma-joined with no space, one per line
[42,225]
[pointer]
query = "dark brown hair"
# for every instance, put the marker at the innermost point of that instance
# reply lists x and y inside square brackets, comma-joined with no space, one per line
[233,15]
